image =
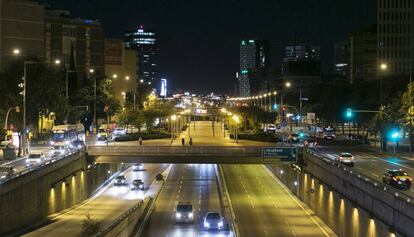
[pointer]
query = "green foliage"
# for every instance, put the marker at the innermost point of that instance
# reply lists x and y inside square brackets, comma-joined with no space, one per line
[157,109]
[90,226]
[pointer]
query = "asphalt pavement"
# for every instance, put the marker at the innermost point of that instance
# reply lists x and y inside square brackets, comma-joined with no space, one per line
[264,207]
[372,163]
[195,183]
[105,206]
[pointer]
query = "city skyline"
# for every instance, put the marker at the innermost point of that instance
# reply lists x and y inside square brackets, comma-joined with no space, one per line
[193,40]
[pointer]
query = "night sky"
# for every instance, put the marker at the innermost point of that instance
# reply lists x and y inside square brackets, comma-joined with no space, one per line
[199,40]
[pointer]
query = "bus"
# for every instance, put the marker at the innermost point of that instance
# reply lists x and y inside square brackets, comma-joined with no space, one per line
[322,132]
[64,135]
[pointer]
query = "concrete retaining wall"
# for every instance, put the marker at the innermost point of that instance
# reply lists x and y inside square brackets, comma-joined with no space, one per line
[31,198]
[350,205]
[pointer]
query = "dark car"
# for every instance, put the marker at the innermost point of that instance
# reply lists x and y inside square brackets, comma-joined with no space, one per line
[137,184]
[398,179]
[77,144]
[213,220]
[184,213]
[120,181]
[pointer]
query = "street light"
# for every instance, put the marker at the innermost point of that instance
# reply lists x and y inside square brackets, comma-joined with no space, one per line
[287,84]
[383,67]
[92,72]
[114,76]
[127,78]
[16,51]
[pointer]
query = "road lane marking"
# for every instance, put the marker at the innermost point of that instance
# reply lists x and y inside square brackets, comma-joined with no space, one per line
[296,201]
[375,175]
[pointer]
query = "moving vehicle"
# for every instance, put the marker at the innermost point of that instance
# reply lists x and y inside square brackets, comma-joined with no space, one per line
[104,132]
[64,135]
[35,159]
[138,167]
[77,144]
[137,184]
[269,128]
[213,220]
[398,179]
[121,181]
[345,158]
[6,170]
[118,132]
[184,212]
[322,132]
[59,150]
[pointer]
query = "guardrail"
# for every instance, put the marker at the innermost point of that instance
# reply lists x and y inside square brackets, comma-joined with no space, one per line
[186,150]
[32,168]
[392,207]
[378,184]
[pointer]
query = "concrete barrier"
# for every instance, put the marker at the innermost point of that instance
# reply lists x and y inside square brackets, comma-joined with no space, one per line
[129,223]
[33,197]
[349,203]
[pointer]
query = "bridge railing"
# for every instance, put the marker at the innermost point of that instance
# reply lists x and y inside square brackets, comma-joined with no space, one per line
[222,150]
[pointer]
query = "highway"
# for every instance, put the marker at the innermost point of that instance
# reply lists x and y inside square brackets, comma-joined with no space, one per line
[263,207]
[106,206]
[369,162]
[186,183]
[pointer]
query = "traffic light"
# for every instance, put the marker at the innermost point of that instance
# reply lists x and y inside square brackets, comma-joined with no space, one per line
[395,135]
[301,134]
[21,85]
[275,106]
[349,113]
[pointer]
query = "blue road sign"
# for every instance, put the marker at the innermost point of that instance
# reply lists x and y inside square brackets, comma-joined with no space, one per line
[284,123]
[283,154]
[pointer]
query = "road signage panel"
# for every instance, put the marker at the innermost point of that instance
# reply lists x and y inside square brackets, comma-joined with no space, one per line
[283,154]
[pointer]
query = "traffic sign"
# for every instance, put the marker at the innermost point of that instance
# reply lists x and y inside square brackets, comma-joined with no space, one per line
[283,154]
[284,123]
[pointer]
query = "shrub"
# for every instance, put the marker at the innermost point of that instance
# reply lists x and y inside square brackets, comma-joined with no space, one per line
[90,226]
[159,177]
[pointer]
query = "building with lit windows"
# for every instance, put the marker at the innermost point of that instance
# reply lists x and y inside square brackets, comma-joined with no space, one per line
[146,45]
[21,30]
[163,89]
[253,57]
[121,69]
[395,35]
[301,60]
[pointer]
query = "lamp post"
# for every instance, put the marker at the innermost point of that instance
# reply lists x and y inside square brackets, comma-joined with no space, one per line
[383,67]
[17,109]
[236,121]
[92,72]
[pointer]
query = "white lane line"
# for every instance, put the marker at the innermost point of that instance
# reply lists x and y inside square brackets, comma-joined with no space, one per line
[375,175]
[296,201]
[294,233]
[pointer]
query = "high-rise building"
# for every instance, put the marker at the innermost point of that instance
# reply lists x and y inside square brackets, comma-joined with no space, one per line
[340,66]
[146,45]
[253,56]
[82,38]
[362,55]
[120,68]
[303,60]
[163,88]
[21,30]
[395,36]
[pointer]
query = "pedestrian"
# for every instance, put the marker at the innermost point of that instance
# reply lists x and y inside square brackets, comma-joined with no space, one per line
[191,141]
[182,141]
[140,141]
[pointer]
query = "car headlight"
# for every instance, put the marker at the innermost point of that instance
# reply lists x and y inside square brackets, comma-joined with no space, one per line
[190,215]
[27,161]
[140,186]
[178,215]
[67,142]
[220,224]
[52,143]
[206,224]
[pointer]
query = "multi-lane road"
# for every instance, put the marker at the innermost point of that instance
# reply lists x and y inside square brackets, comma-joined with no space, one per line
[106,206]
[369,161]
[196,184]
[264,207]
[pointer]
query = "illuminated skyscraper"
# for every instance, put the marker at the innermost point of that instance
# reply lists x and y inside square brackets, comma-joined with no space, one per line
[145,43]
[163,89]
[253,56]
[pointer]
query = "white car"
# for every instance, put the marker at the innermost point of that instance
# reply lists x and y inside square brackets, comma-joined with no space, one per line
[345,158]
[59,150]
[213,221]
[138,167]
[184,213]
[35,159]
